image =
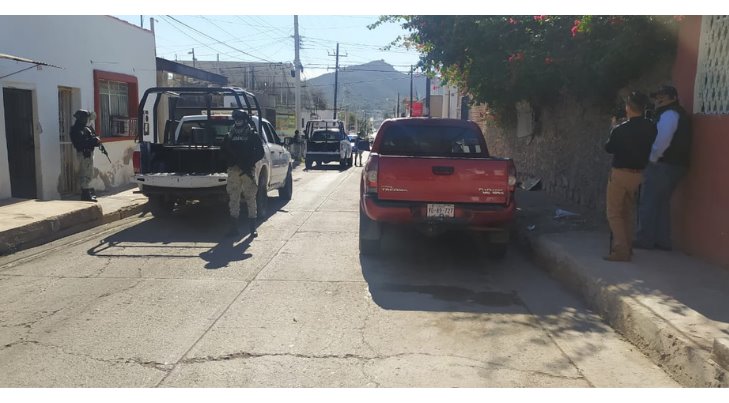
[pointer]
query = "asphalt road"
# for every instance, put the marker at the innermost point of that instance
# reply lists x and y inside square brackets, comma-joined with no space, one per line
[148,302]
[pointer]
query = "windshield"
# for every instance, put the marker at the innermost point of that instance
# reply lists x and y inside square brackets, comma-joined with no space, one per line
[326,135]
[436,141]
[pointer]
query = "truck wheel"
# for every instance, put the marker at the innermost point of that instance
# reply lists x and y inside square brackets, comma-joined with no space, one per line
[285,192]
[160,206]
[262,197]
[370,233]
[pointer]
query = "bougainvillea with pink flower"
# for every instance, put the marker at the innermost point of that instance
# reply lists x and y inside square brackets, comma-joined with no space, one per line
[501,60]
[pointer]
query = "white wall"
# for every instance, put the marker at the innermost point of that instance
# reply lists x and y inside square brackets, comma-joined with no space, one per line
[80,45]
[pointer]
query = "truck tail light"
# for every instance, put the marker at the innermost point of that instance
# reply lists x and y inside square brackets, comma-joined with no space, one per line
[370,174]
[512,176]
[137,162]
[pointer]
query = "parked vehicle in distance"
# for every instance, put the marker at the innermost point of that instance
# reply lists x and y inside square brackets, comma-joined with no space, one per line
[326,141]
[436,175]
[180,160]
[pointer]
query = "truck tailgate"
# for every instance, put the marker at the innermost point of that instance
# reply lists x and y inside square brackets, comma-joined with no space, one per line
[446,180]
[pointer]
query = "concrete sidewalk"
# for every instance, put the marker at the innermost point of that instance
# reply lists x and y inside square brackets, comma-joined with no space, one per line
[674,307]
[28,223]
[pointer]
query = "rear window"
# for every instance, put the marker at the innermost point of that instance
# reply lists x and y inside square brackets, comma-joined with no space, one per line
[326,135]
[435,141]
[216,131]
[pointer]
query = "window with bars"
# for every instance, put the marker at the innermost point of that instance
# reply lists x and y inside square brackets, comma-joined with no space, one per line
[114,103]
[712,78]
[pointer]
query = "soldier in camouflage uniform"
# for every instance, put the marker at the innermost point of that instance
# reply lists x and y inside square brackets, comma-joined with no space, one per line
[84,141]
[242,148]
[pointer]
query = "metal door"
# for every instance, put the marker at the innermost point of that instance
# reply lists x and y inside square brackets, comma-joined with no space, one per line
[69,166]
[20,142]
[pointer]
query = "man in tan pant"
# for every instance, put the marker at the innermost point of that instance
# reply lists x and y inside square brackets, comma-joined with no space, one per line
[630,143]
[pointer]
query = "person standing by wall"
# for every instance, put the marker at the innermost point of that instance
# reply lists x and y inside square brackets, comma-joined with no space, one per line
[669,162]
[362,145]
[84,140]
[630,144]
[242,148]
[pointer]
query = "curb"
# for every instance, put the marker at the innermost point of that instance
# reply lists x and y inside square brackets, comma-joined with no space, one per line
[667,346]
[53,228]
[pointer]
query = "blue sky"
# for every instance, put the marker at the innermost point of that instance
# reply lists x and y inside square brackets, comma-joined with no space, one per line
[270,38]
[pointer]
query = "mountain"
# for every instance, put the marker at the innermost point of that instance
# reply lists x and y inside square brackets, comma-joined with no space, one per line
[371,86]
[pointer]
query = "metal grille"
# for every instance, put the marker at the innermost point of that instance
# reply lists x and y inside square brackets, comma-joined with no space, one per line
[114,98]
[69,167]
[712,78]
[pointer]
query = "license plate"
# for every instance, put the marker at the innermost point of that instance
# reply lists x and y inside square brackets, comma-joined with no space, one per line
[440,210]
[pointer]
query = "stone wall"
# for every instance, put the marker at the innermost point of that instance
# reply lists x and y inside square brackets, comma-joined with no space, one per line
[566,149]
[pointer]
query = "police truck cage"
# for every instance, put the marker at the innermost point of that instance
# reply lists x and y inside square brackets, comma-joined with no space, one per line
[170,104]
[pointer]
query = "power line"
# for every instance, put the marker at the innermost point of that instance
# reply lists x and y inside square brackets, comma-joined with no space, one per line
[222,43]
[193,38]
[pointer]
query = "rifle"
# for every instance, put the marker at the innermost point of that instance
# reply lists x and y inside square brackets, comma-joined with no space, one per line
[101,145]
[103,151]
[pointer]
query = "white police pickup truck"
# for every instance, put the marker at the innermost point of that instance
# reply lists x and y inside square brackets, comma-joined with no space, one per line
[327,141]
[188,164]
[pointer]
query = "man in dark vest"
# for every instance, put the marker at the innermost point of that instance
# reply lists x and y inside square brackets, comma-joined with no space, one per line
[243,149]
[669,162]
[84,141]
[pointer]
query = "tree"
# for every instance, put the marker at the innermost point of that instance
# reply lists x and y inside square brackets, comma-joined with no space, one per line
[501,60]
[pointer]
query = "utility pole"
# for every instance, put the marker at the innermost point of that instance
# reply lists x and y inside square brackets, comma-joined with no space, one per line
[397,113]
[426,109]
[336,79]
[336,82]
[193,57]
[297,73]
[141,21]
[410,105]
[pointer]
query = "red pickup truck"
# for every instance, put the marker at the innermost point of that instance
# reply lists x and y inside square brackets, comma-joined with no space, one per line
[437,175]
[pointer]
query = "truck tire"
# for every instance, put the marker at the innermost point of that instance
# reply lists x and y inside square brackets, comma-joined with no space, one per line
[160,206]
[370,233]
[262,197]
[287,191]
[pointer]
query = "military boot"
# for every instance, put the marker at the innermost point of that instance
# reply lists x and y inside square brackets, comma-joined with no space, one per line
[232,228]
[86,195]
[252,227]
[92,194]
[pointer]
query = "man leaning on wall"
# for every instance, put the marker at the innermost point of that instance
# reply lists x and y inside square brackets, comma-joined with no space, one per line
[669,162]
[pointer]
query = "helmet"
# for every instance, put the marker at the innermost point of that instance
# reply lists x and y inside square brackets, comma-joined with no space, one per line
[240,114]
[81,114]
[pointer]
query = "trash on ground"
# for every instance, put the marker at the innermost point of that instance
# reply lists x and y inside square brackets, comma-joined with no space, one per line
[531,184]
[559,213]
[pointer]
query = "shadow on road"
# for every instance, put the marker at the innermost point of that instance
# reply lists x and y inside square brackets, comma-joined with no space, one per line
[184,234]
[447,273]
[225,252]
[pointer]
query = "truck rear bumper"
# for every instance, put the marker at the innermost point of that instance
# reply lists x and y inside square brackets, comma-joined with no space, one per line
[326,156]
[467,216]
[182,181]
